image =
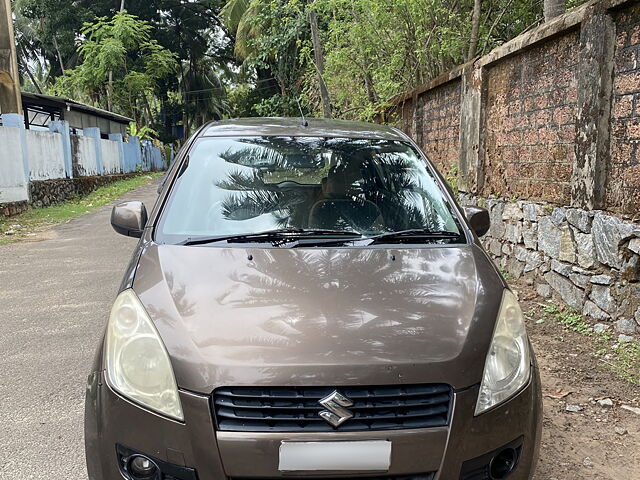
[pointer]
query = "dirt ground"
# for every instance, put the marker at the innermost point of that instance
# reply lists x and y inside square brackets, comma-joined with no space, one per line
[596,442]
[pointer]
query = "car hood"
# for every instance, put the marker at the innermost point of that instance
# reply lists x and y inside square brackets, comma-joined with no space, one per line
[330,317]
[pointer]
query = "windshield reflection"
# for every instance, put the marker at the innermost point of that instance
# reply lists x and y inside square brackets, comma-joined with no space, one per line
[236,186]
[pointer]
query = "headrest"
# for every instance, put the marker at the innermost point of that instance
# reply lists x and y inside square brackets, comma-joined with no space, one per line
[335,186]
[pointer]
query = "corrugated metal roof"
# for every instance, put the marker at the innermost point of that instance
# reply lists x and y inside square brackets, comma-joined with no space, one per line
[67,103]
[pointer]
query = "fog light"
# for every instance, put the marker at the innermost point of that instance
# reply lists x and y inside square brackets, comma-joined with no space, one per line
[142,468]
[503,463]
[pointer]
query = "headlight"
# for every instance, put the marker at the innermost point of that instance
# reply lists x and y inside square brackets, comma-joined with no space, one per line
[138,365]
[508,364]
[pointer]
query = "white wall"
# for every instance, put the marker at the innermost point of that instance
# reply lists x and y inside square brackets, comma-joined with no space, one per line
[12,185]
[86,155]
[110,156]
[45,154]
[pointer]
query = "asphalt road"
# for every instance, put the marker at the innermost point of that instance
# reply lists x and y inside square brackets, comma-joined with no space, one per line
[55,296]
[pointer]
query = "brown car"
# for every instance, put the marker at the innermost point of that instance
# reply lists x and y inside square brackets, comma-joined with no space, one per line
[308,300]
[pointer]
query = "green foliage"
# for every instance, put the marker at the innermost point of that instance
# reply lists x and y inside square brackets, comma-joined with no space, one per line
[379,48]
[452,179]
[121,66]
[171,61]
[505,274]
[143,133]
[627,362]
[46,32]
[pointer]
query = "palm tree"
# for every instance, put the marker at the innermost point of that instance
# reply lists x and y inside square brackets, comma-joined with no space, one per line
[237,15]
[204,92]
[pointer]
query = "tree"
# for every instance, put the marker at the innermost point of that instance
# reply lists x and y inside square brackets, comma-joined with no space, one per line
[272,39]
[46,32]
[121,66]
[553,8]
[318,56]
[375,49]
[475,29]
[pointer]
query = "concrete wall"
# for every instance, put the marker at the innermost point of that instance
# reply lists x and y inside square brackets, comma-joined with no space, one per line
[545,132]
[85,160]
[35,165]
[45,155]
[152,158]
[110,157]
[13,187]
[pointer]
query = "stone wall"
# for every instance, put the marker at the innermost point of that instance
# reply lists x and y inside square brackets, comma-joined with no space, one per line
[587,259]
[13,208]
[548,138]
[49,192]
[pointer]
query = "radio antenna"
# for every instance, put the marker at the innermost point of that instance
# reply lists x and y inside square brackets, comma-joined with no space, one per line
[304,120]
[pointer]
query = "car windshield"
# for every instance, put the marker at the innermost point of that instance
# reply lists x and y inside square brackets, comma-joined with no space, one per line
[236,186]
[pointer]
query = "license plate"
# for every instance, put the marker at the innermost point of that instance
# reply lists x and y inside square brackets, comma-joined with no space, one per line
[374,455]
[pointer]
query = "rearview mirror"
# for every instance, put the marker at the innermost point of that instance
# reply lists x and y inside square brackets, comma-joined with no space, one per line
[479,219]
[129,218]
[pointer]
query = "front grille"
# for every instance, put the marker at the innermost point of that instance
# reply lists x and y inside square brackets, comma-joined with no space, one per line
[295,409]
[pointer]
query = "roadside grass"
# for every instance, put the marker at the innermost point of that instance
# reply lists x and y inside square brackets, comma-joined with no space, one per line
[24,225]
[621,358]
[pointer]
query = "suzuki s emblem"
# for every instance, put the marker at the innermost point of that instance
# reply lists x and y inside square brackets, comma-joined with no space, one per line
[336,413]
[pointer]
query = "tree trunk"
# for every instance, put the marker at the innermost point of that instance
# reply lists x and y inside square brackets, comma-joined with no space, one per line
[319,61]
[553,8]
[110,91]
[475,30]
[122,5]
[55,44]
[33,79]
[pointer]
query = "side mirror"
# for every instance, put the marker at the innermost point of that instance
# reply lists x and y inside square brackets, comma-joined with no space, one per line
[479,219]
[129,218]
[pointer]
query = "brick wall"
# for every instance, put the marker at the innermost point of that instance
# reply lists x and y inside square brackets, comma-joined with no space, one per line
[530,122]
[441,125]
[549,125]
[623,183]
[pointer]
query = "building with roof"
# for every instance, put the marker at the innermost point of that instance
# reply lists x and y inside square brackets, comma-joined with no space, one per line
[40,110]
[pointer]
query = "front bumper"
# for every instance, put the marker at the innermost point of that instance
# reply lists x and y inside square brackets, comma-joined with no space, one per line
[111,420]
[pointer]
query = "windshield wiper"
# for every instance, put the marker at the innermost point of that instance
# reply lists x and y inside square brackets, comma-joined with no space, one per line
[415,233]
[278,236]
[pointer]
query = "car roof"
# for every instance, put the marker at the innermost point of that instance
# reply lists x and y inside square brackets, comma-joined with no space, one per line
[293,127]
